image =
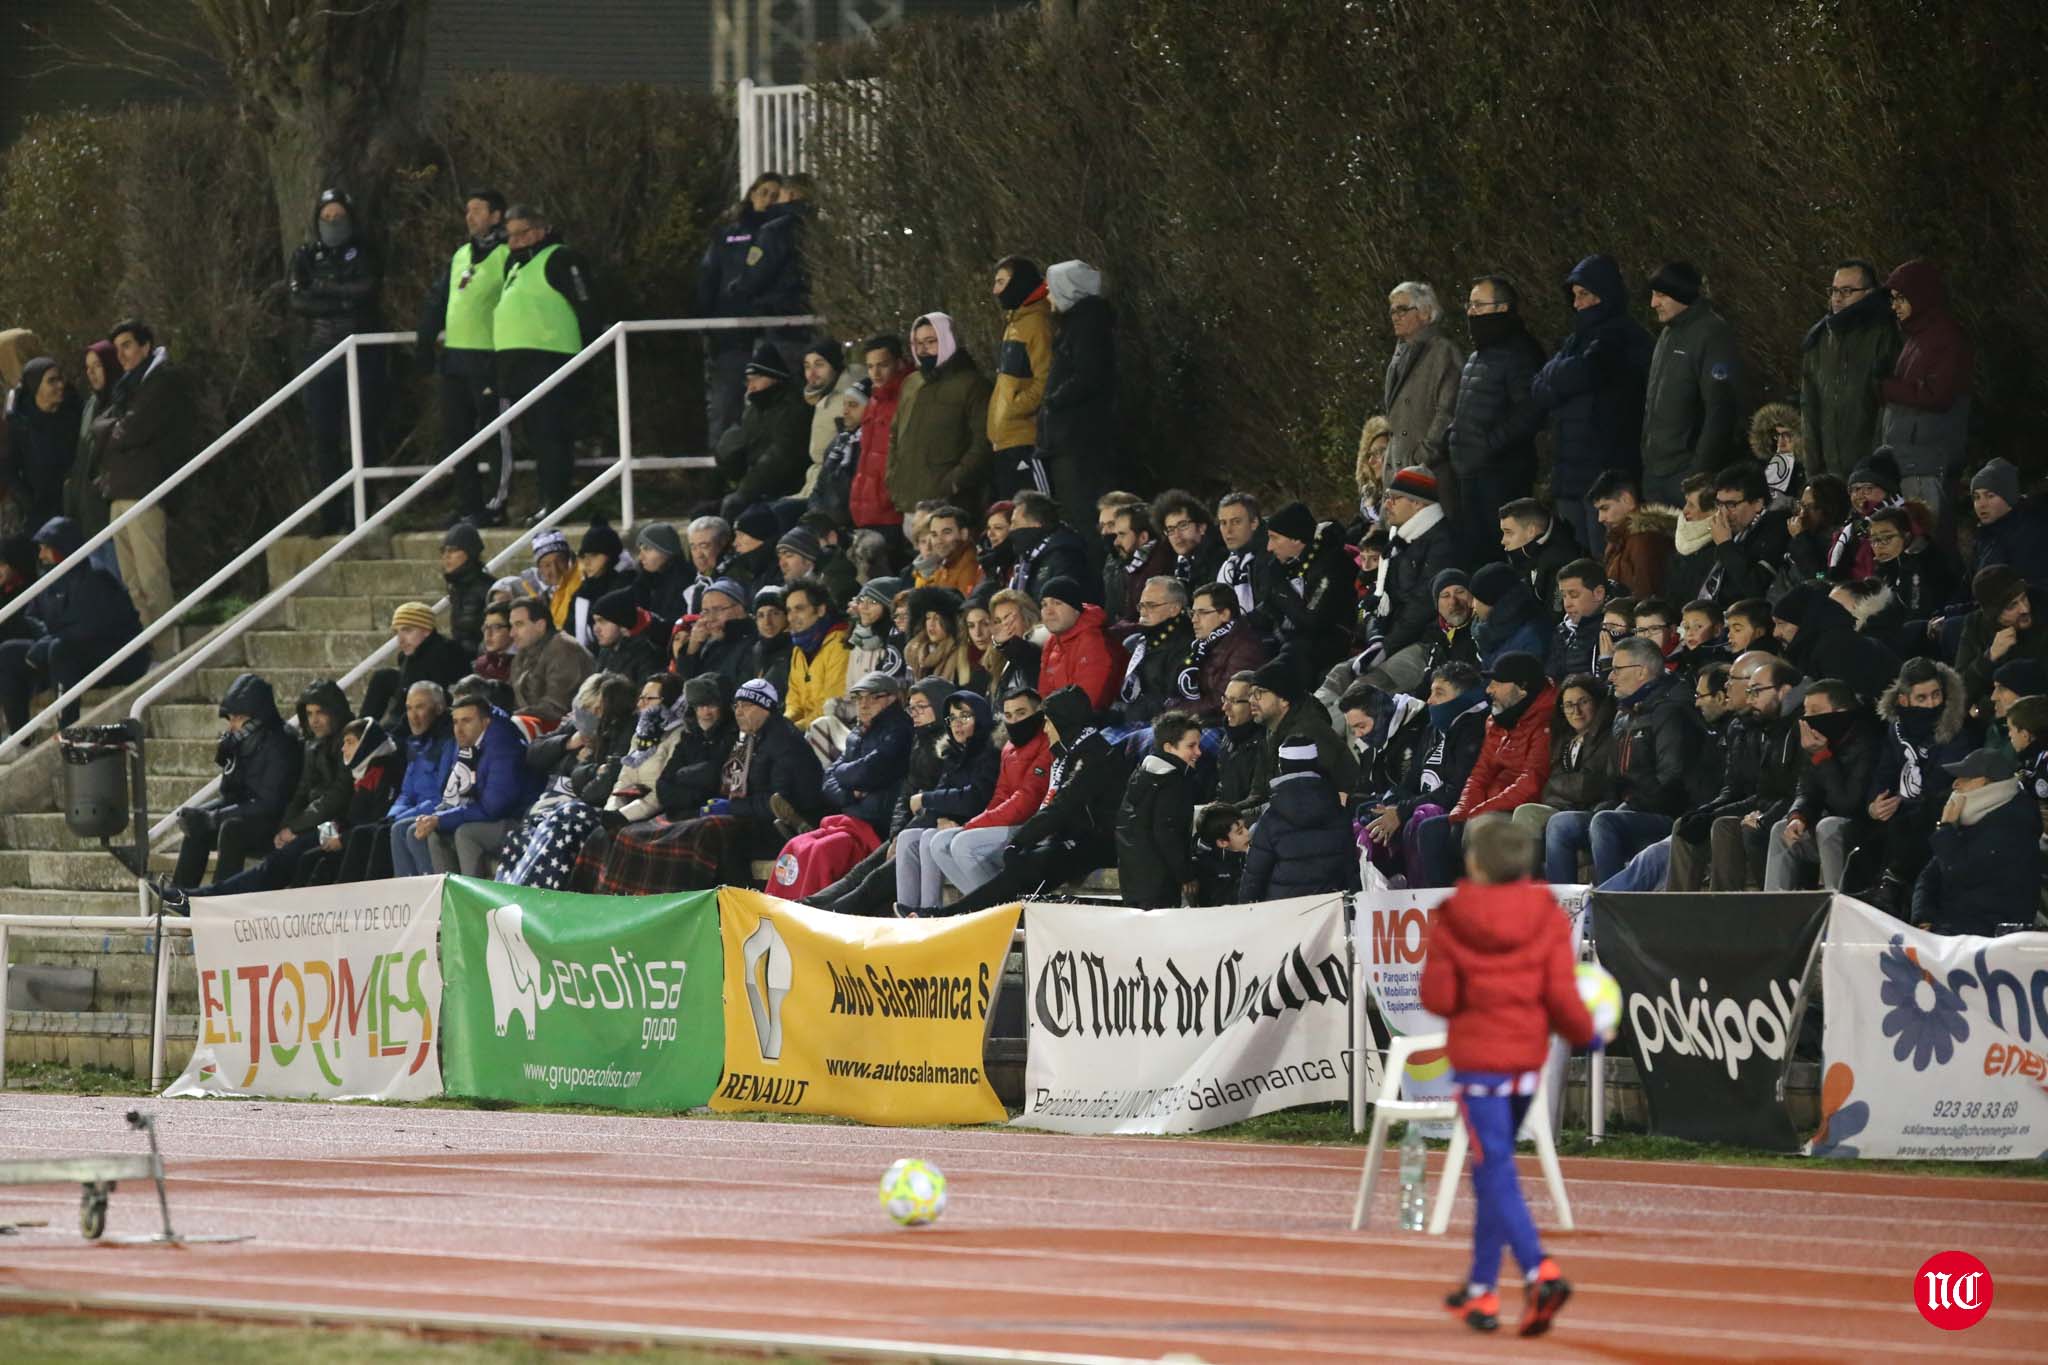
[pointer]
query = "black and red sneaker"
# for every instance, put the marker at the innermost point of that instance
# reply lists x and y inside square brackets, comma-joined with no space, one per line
[1545,1293]
[1480,1311]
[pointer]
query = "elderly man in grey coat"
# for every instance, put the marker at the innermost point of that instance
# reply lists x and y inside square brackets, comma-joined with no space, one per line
[1422,384]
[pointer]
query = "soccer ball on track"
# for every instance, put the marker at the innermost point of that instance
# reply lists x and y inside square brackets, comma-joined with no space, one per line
[913,1192]
[1601,994]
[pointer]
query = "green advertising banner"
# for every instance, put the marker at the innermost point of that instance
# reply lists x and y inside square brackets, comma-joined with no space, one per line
[555,998]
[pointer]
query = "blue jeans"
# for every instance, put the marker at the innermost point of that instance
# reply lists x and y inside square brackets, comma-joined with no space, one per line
[1564,838]
[1618,835]
[1646,871]
[410,857]
[1442,846]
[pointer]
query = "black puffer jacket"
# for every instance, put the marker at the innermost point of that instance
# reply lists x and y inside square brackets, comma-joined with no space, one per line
[1658,737]
[1155,840]
[334,288]
[260,766]
[325,782]
[1302,845]
[1828,644]
[767,455]
[469,591]
[1839,783]
[1087,786]
[1076,418]
[967,776]
[1043,555]
[1496,418]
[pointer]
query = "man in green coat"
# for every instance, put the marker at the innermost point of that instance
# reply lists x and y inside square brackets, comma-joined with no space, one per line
[769,452]
[1692,411]
[1845,357]
[939,447]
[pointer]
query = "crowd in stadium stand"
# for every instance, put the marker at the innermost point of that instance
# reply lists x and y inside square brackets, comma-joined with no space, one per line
[921,653]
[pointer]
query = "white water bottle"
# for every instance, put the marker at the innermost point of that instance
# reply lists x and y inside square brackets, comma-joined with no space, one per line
[1412,1179]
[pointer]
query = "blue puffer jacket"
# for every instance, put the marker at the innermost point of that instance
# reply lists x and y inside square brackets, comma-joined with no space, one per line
[874,763]
[87,609]
[1302,845]
[428,758]
[1518,622]
[1593,387]
[503,787]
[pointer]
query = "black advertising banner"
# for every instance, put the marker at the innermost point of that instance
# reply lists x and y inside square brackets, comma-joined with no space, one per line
[1708,984]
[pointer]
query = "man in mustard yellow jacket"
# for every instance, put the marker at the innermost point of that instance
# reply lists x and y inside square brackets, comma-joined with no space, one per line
[1021,368]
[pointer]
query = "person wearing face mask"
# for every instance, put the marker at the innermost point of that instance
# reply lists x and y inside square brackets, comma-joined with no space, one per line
[547,312]
[939,445]
[1592,390]
[333,285]
[1840,739]
[1926,417]
[1928,726]
[1021,369]
[1495,418]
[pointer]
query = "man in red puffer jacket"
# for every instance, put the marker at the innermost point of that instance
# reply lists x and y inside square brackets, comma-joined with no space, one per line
[1080,653]
[1500,973]
[1513,763]
[868,503]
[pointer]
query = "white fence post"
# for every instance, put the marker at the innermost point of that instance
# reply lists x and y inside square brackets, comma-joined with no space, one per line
[750,151]
[355,429]
[625,400]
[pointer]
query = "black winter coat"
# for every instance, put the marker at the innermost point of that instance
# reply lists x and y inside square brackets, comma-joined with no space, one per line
[1542,559]
[1238,759]
[260,766]
[1311,605]
[1828,645]
[469,590]
[1155,839]
[1151,682]
[783,764]
[1747,567]
[1593,387]
[1573,645]
[87,608]
[1076,417]
[1658,739]
[1447,760]
[732,655]
[1496,416]
[772,281]
[967,778]
[1088,777]
[1302,845]
[1584,778]
[438,659]
[325,782]
[1200,568]
[1983,875]
[767,455]
[335,290]
[1412,567]
[637,656]
[1840,783]
[1043,556]
[691,775]
[1923,581]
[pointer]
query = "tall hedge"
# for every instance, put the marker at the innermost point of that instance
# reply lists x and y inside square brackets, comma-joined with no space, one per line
[1254,178]
[166,213]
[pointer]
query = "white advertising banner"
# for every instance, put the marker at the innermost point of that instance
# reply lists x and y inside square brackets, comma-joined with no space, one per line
[1180,1020]
[1934,1046]
[1393,943]
[326,992]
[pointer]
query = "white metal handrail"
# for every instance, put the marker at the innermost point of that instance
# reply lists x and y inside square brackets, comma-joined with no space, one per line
[620,469]
[98,924]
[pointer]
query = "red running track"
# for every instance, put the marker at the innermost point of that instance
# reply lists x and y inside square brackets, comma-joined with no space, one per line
[1104,1246]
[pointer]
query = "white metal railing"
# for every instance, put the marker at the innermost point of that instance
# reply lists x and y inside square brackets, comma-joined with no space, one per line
[100,925]
[772,119]
[619,469]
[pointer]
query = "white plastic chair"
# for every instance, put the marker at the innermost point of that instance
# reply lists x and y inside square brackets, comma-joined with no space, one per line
[1389,1106]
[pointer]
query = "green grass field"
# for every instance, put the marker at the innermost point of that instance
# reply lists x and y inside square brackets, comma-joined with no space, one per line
[58,1339]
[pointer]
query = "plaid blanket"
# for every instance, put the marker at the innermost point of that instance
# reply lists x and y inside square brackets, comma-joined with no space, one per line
[661,855]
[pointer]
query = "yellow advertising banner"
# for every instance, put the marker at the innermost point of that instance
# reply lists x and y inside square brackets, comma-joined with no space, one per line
[878,1020]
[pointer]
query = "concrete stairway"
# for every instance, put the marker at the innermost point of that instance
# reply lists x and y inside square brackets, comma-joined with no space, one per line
[340,618]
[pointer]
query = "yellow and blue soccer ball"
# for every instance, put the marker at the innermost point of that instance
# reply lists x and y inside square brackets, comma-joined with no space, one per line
[913,1192]
[1601,994]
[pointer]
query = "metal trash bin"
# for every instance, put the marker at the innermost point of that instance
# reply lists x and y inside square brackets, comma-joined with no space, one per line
[95,779]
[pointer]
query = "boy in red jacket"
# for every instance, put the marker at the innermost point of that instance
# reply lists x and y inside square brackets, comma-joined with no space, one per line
[1500,972]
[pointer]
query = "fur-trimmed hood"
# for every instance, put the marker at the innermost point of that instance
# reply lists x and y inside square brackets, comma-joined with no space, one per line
[1954,706]
[1766,419]
[1871,607]
[1653,516]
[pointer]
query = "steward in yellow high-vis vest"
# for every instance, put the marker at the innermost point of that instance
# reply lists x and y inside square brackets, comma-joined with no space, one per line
[458,312]
[546,313]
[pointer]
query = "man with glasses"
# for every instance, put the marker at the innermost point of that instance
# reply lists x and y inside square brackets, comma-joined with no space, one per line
[1158,654]
[1222,649]
[1197,549]
[1749,547]
[1847,354]
[1658,737]
[1492,436]
[1422,382]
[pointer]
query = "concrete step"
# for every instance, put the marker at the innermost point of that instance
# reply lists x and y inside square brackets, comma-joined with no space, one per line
[346,613]
[123,967]
[168,791]
[174,721]
[426,545]
[339,649]
[183,757]
[15,900]
[378,578]
[115,1042]
[44,831]
[50,870]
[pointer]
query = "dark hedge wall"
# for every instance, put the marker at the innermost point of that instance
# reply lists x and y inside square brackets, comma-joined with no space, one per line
[1253,178]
